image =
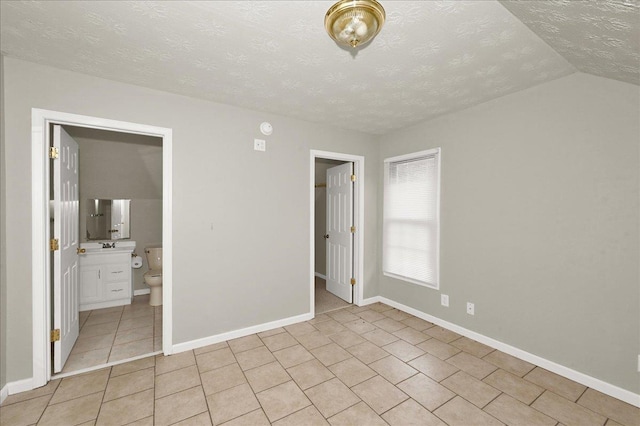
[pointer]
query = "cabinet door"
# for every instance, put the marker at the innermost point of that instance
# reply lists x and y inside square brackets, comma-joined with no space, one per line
[90,284]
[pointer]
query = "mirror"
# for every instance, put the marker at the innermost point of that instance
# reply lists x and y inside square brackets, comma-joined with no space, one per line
[108,219]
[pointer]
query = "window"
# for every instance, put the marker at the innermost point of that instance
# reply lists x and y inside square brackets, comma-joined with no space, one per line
[411,218]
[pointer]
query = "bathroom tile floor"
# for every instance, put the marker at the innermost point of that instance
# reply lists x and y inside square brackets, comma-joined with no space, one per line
[371,365]
[114,334]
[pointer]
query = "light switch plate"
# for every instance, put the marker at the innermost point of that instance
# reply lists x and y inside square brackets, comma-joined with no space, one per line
[444,300]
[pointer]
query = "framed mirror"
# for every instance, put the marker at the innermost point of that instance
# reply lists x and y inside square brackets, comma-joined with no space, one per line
[108,219]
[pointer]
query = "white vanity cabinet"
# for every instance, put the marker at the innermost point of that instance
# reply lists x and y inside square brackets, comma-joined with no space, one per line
[105,276]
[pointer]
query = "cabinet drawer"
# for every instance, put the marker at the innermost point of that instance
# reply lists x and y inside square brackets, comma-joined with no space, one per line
[117,272]
[118,290]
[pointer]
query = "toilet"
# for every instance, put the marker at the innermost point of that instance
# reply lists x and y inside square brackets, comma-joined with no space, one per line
[153,277]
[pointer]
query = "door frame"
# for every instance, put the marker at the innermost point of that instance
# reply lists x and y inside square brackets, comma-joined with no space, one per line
[358,222]
[41,121]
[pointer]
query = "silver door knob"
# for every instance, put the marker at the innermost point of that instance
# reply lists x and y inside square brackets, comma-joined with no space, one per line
[326,236]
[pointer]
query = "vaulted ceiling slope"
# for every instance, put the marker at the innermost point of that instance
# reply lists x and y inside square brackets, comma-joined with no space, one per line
[431,57]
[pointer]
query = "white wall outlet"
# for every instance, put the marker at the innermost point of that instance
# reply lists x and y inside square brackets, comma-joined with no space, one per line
[259,144]
[444,300]
[471,308]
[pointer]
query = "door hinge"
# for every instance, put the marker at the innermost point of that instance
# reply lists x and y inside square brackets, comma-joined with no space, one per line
[54,153]
[353,281]
[53,244]
[55,335]
[353,229]
[353,178]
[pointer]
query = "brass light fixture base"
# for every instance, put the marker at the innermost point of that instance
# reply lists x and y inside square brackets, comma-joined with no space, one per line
[354,22]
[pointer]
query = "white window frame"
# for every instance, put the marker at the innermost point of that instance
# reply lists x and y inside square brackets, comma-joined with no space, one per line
[435,152]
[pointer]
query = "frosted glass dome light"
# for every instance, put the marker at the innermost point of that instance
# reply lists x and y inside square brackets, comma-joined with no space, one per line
[354,22]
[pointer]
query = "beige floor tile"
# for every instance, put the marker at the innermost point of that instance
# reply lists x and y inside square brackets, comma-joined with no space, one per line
[309,416]
[610,407]
[389,325]
[138,312]
[329,327]
[565,411]
[81,385]
[330,354]
[472,365]
[367,352]
[126,336]
[433,367]
[347,338]
[520,389]
[360,326]
[293,355]
[215,359]
[509,363]
[72,412]
[313,340]
[128,409]
[102,318]
[253,358]
[397,314]
[202,419]
[417,323]
[608,423]
[128,384]
[25,412]
[555,383]
[131,349]
[411,335]
[147,421]
[473,390]
[342,316]
[438,349]
[513,412]
[222,378]
[403,350]
[245,343]
[130,367]
[380,337]
[282,400]
[132,323]
[279,341]
[410,413]
[179,406]
[309,374]
[232,403]
[392,369]
[176,381]
[157,344]
[211,348]
[457,412]
[331,397]
[426,391]
[371,316]
[379,394]
[352,371]
[300,328]
[471,346]
[319,318]
[84,344]
[380,307]
[442,334]
[78,361]
[47,389]
[359,414]
[254,418]
[266,376]
[271,332]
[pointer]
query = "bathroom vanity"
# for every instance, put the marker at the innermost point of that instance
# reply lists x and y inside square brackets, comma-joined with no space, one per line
[105,274]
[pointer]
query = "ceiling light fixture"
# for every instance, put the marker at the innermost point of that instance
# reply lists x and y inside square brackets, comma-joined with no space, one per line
[354,22]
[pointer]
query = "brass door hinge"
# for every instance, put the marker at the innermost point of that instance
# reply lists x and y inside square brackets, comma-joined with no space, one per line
[54,245]
[353,281]
[353,229]
[353,178]
[55,335]
[54,153]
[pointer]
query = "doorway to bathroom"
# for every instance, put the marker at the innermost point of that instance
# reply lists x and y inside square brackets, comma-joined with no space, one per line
[118,160]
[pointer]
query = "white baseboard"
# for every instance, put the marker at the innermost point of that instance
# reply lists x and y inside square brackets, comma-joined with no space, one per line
[370,301]
[141,291]
[4,393]
[206,341]
[592,382]
[319,275]
[16,387]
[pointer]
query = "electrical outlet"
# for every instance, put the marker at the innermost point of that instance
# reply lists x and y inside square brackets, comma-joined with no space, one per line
[471,309]
[444,300]
[259,144]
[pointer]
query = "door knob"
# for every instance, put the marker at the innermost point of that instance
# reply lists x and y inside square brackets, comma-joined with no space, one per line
[81,250]
[326,236]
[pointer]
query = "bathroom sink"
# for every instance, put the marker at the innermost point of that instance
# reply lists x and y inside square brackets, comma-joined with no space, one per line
[108,246]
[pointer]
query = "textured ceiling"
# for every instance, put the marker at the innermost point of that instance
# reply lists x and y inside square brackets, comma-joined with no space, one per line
[431,57]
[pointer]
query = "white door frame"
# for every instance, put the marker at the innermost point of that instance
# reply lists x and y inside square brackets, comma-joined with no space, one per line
[41,264]
[358,222]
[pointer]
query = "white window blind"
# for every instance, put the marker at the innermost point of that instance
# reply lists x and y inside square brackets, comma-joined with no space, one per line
[411,218]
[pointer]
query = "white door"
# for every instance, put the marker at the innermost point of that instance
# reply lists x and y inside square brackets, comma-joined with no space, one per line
[339,237]
[65,259]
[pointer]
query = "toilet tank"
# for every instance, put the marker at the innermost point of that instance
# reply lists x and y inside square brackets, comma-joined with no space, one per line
[154,257]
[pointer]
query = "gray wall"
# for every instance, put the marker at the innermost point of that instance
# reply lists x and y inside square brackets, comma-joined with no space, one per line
[540,223]
[120,165]
[322,165]
[3,246]
[240,217]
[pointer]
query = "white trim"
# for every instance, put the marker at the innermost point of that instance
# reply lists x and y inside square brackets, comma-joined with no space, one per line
[319,275]
[592,382]
[358,221]
[370,301]
[40,122]
[4,393]
[19,386]
[141,292]
[206,341]
[101,366]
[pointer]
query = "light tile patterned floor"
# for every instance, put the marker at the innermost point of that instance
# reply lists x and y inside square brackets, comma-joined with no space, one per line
[114,334]
[371,365]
